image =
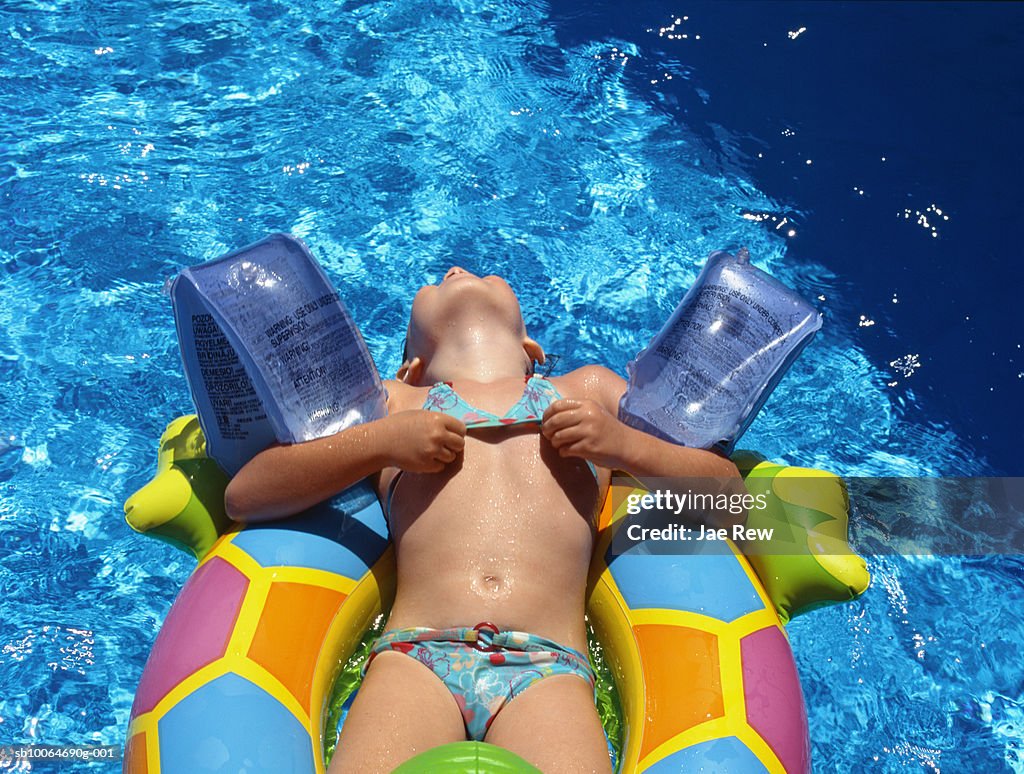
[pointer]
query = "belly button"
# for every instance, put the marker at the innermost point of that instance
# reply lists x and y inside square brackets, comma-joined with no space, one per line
[492,586]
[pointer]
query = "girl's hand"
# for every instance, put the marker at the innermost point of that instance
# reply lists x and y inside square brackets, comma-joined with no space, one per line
[421,441]
[583,428]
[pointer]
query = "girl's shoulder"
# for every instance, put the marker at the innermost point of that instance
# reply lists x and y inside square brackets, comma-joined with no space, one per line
[593,382]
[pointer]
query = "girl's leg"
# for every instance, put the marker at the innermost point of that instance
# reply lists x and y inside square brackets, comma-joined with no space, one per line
[402,709]
[554,725]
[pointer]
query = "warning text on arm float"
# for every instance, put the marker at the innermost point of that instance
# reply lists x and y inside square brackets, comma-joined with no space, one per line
[293,324]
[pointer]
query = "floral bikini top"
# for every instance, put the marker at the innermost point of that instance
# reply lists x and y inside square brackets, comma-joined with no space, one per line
[538,394]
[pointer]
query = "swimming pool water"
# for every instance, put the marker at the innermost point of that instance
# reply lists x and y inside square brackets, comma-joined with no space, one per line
[398,138]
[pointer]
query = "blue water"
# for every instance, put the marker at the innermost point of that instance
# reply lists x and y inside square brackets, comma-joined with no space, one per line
[549,144]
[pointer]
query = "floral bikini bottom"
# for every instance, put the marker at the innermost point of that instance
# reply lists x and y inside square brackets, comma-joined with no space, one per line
[482,667]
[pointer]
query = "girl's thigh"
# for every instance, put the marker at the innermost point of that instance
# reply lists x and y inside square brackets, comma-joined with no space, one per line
[553,724]
[402,709]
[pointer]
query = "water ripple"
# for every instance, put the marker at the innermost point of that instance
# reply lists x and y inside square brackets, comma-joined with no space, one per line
[399,138]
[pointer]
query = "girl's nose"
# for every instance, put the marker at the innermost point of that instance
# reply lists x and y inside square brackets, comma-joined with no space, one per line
[454,270]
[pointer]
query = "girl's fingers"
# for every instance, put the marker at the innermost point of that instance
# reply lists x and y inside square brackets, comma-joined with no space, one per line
[454,425]
[566,436]
[559,406]
[571,450]
[455,442]
[553,423]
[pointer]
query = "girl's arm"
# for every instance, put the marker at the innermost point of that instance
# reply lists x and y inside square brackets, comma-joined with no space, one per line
[285,479]
[589,428]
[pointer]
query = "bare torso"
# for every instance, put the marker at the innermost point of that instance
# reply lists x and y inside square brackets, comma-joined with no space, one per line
[504,534]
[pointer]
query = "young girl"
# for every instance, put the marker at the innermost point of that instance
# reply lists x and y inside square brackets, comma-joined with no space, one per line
[491,478]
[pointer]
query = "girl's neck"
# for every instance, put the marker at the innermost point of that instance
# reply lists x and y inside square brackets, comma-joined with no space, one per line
[479,360]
